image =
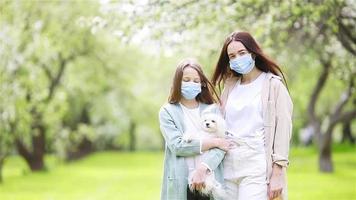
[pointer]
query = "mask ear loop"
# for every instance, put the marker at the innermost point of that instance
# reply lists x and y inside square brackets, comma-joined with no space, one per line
[253,56]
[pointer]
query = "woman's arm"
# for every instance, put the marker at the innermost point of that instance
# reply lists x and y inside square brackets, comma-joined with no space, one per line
[284,109]
[209,143]
[283,130]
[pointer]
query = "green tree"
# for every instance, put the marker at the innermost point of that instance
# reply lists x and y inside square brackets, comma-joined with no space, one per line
[42,53]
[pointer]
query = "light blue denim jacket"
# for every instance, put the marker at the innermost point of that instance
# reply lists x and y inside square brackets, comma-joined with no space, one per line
[175,176]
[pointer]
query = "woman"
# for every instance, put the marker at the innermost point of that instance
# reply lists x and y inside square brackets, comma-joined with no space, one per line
[258,113]
[191,93]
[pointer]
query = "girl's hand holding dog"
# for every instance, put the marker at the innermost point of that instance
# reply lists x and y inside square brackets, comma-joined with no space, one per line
[199,177]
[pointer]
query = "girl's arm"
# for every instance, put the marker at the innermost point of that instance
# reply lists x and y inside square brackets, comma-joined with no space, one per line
[213,158]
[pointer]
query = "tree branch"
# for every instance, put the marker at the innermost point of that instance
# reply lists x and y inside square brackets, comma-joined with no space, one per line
[22,149]
[55,80]
[345,37]
[326,65]
[343,99]
[337,116]
[185,4]
[47,72]
[349,115]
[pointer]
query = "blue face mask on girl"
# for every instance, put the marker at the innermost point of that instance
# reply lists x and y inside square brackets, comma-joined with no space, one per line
[243,64]
[190,90]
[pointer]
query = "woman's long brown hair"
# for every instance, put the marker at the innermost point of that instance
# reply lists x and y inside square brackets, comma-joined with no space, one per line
[207,90]
[262,62]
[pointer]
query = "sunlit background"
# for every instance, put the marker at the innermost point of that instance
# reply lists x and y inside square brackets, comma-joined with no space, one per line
[81,83]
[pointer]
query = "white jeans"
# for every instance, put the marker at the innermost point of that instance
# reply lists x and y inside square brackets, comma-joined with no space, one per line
[245,173]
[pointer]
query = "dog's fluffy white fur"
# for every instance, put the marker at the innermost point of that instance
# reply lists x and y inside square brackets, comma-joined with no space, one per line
[213,125]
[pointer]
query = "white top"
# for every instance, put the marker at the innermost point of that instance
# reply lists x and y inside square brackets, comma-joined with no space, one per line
[244,111]
[192,125]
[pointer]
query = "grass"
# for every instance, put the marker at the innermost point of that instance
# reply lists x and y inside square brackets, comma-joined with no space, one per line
[306,182]
[137,176]
[105,175]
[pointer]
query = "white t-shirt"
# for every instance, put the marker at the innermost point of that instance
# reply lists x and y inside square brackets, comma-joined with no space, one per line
[244,111]
[192,125]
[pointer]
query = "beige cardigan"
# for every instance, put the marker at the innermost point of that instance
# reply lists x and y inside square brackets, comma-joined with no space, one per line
[277,116]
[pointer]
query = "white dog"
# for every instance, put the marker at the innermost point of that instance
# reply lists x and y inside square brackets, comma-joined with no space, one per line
[213,125]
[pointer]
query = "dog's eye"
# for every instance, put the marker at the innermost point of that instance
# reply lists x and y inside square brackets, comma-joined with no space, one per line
[213,121]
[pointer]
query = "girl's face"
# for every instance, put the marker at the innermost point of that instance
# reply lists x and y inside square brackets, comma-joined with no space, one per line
[236,49]
[190,75]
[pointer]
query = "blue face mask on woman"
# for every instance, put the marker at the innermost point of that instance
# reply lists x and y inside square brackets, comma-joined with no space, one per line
[190,90]
[243,64]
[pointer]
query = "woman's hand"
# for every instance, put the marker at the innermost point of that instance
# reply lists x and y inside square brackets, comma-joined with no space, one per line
[225,144]
[277,182]
[198,177]
[221,143]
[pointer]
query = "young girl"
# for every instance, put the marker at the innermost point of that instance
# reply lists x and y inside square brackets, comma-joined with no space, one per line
[190,94]
[258,114]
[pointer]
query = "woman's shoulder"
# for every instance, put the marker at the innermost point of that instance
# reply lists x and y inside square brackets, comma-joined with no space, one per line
[280,89]
[275,80]
[273,77]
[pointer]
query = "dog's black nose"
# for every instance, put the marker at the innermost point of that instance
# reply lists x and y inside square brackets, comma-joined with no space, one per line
[207,124]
